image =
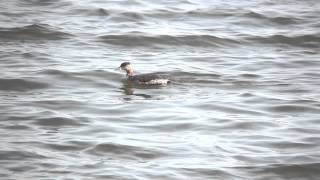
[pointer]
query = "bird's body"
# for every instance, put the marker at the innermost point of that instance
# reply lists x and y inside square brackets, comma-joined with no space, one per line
[149,79]
[144,79]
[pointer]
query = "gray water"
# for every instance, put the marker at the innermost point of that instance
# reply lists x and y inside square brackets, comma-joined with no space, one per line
[244,102]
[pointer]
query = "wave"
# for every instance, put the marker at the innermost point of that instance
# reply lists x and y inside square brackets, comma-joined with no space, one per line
[120,15]
[194,13]
[94,78]
[200,13]
[33,32]
[93,74]
[53,3]
[312,40]
[181,77]
[20,85]
[127,16]
[121,150]
[155,13]
[90,12]
[206,40]
[168,40]
[293,108]
[57,122]
[302,170]
[19,155]
[280,20]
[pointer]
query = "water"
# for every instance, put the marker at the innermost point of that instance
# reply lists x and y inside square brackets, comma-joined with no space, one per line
[243,102]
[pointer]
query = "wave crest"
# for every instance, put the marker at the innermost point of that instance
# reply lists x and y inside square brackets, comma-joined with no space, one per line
[32,32]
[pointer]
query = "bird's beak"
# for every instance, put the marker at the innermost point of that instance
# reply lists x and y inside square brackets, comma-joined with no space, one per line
[118,69]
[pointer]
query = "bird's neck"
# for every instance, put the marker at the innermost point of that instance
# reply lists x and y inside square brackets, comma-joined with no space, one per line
[130,72]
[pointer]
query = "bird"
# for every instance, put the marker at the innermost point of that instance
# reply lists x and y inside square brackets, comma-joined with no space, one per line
[144,79]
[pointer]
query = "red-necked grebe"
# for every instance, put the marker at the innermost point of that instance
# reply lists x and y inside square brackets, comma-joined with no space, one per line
[146,79]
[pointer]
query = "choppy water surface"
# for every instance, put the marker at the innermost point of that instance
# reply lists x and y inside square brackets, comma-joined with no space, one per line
[243,102]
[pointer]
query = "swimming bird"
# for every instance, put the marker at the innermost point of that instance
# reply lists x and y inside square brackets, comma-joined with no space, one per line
[145,79]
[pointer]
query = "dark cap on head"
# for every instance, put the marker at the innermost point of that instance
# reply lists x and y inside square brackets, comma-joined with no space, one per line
[124,64]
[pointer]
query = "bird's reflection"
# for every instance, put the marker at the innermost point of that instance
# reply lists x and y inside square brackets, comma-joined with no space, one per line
[128,89]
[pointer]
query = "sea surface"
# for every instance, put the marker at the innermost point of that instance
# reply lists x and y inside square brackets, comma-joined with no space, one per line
[243,102]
